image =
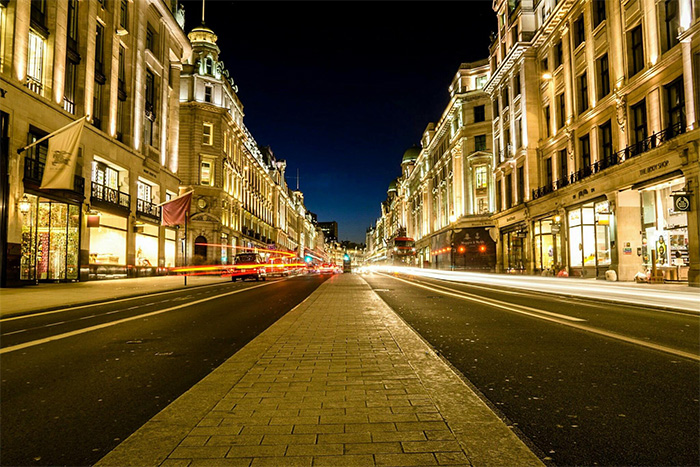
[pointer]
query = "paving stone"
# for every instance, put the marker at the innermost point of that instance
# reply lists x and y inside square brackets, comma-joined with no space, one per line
[289,439]
[318,429]
[231,440]
[373,448]
[431,446]
[345,461]
[256,451]
[387,436]
[315,450]
[296,461]
[190,452]
[452,458]
[405,460]
[228,462]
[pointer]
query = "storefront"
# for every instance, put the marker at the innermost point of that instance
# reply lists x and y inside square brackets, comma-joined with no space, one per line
[589,239]
[50,240]
[146,249]
[108,233]
[664,230]
[547,249]
[170,247]
[513,240]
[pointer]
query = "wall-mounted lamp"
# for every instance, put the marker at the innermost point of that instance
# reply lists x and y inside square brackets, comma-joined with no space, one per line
[546,76]
[24,205]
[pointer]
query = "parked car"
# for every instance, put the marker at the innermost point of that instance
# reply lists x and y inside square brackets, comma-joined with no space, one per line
[249,266]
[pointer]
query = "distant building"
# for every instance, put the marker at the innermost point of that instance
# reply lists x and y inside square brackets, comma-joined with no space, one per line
[118,63]
[330,230]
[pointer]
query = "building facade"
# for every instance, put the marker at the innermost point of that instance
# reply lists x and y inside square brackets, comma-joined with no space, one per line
[595,137]
[444,196]
[117,63]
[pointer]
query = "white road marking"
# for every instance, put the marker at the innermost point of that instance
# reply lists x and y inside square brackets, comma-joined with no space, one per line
[609,334]
[45,340]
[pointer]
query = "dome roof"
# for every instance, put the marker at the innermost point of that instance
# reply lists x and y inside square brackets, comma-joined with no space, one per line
[411,154]
[392,186]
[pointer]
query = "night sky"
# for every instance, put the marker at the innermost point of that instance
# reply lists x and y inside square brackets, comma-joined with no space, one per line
[341,89]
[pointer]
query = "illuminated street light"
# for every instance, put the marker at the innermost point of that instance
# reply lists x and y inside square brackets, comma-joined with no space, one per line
[24,205]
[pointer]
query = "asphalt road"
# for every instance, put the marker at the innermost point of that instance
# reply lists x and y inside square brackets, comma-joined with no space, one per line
[70,400]
[585,382]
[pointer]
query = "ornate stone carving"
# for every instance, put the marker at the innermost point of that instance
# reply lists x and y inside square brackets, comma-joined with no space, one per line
[621,110]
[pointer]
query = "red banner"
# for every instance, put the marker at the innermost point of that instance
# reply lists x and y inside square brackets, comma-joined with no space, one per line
[176,210]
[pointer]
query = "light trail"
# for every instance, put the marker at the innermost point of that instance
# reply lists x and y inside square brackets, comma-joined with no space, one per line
[686,300]
[553,319]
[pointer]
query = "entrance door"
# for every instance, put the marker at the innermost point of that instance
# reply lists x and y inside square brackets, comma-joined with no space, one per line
[58,236]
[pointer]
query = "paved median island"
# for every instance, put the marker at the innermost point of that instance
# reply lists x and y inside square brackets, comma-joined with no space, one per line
[340,380]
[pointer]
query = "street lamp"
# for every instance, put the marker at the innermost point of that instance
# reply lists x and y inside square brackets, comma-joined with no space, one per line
[24,205]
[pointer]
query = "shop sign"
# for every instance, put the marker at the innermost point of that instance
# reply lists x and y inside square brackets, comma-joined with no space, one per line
[93,221]
[556,228]
[681,202]
[653,168]
[521,234]
[627,250]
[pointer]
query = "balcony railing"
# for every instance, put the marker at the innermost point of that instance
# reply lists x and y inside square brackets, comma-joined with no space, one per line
[149,210]
[631,151]
[34,172]
[34,85]
[109,196]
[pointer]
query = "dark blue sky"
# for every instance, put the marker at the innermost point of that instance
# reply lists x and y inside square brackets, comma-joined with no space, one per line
[341,89]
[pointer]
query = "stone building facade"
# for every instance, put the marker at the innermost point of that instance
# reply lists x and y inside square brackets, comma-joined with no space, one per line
[117,63]
[596,135]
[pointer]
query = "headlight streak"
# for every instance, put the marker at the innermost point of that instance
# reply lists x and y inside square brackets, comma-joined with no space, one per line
[686,300]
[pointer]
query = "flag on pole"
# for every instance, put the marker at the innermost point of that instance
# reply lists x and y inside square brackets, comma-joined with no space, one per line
[176,210]
[62,157]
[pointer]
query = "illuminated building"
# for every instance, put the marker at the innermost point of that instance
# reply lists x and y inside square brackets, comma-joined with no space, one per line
[118,63]
[444,195]
[595,130]
[241,198]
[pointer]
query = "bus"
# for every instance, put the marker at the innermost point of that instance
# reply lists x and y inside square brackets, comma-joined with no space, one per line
[401,251]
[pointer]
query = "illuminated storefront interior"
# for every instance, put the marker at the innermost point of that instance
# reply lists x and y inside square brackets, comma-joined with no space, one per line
[589,239]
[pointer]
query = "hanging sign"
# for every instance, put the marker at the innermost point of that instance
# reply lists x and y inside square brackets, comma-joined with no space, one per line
[681,202]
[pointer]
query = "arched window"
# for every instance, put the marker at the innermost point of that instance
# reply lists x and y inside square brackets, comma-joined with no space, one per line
[200,249]
[209,66]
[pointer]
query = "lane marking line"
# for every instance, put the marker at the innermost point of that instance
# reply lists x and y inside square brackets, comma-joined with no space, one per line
[116,300]
[64,335]
[609,334]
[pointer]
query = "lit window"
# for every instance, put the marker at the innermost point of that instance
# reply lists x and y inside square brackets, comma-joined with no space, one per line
[481,177]
[208,134]
[480,82]
[143,191]
[35,62]
[207,93]
[205,173]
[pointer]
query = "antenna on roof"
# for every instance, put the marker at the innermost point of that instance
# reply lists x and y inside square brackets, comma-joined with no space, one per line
[202,12]
[297,176]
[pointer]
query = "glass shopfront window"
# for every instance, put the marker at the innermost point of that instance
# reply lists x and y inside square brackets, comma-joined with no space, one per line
[170,240]
[547,240]
[665,230]
[108,241]
[224,248]
[50,241]
[589,237]
[514,250]
[146,245]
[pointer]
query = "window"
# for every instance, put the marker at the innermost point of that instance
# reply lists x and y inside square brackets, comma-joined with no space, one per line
[545,64]
[123,13]
[38,13]
[479,113]
[548,176]
[207,93]
[639,121]
[675,104]
[563,164]
[518,133]
[208,134]
[516,84]
[582,93]
[603,77]
[120,120]
[151,39]
[558,55]
[547,121]
[561,110]
[72,25]
[499,195]
[35,62]
[579,32]
[209,66]
[480,143]
[509,190]
[496,109]
[144,191]
[671,23]
[99,50]
[104,175]
[69,87]
[480,82]
[97,106]
[605,137]
[521,184]
[205,173]
[481,180]
[598,12]
[121,71]
[636,50]
[585,144]
[150,107]
[505,97]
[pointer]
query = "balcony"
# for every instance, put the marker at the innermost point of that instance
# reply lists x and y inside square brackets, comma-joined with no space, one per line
[34,172]
[147,210]
[631,151]
[34,85]
[106,197]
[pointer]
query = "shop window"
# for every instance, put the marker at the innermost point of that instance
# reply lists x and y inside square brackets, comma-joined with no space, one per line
[35,62]
[108,247]
[547,240]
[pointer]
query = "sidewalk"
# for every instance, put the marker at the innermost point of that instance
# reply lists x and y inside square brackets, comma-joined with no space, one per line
[340,380]
[38,297]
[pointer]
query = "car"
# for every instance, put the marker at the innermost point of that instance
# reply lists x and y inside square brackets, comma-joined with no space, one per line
[248,266]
